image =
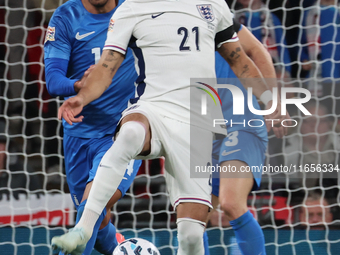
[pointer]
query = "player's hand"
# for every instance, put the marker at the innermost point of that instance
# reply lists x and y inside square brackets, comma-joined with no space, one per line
[79,84]
[276,119]
[88,71]
[277,113]
[281,131]
[70,109]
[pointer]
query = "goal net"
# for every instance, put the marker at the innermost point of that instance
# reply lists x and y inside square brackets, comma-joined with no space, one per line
[297,204]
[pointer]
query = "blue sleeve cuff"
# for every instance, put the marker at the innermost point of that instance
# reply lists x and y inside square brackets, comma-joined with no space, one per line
[56,81]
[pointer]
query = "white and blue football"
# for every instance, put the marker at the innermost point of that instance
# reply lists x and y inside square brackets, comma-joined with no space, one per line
[136,246]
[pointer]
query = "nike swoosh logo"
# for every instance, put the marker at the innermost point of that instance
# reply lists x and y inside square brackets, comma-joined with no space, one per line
[225,153]
[104,166]
[157,15]
[79,37]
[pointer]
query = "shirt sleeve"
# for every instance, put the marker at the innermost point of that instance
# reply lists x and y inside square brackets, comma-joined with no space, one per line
[57,43]
[120,29]
[225,29]
[237,25]
[56,81]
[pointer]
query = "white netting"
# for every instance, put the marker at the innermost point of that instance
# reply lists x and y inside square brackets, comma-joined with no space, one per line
[33,189]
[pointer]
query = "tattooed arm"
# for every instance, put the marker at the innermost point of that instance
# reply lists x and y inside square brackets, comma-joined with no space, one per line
[262,59]
[101,76]
[243,67]
[95,85]
[249,74]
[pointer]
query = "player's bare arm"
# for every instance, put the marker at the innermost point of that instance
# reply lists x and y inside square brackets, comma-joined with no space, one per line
[245,69]
[261,57]
[258,53]
[96,83]
[80,83]
[101,76]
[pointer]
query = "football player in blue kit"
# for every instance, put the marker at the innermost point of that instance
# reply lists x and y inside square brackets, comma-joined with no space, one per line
[244,147]
[74,41]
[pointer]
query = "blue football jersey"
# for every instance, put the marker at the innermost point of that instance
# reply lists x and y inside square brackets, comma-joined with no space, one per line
[223,70]
[78,36]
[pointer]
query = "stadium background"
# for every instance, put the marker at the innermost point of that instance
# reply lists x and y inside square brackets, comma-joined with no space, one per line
[34,200]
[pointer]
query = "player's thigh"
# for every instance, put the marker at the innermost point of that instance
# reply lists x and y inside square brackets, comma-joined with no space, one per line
[244,147]
[187,187]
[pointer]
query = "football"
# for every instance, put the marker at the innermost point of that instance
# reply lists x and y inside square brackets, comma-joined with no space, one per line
[136,246]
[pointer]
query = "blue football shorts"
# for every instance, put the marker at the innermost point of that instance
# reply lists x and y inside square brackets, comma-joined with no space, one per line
[243,146]
[82,157]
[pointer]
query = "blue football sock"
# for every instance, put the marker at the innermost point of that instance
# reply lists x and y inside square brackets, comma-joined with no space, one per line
[206,243]
[106,239]
[249,235]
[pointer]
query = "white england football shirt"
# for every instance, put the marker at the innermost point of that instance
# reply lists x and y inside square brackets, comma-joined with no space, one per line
[173,41]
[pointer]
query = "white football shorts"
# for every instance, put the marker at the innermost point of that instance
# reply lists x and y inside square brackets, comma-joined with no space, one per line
[171,138]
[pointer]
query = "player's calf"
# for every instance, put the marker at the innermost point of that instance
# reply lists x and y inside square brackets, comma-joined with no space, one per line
[234,190]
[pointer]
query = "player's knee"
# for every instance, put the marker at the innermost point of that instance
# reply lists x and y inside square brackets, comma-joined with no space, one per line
[190,234]
[232,208]
[188,237]
[228,205]
[133,133]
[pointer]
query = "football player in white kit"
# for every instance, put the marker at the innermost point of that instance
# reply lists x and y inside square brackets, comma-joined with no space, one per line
[172,41]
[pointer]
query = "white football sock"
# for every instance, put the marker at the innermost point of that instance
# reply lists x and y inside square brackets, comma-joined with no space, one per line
[111,170]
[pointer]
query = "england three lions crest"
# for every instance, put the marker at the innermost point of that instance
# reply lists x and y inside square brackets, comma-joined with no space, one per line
[206,12]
